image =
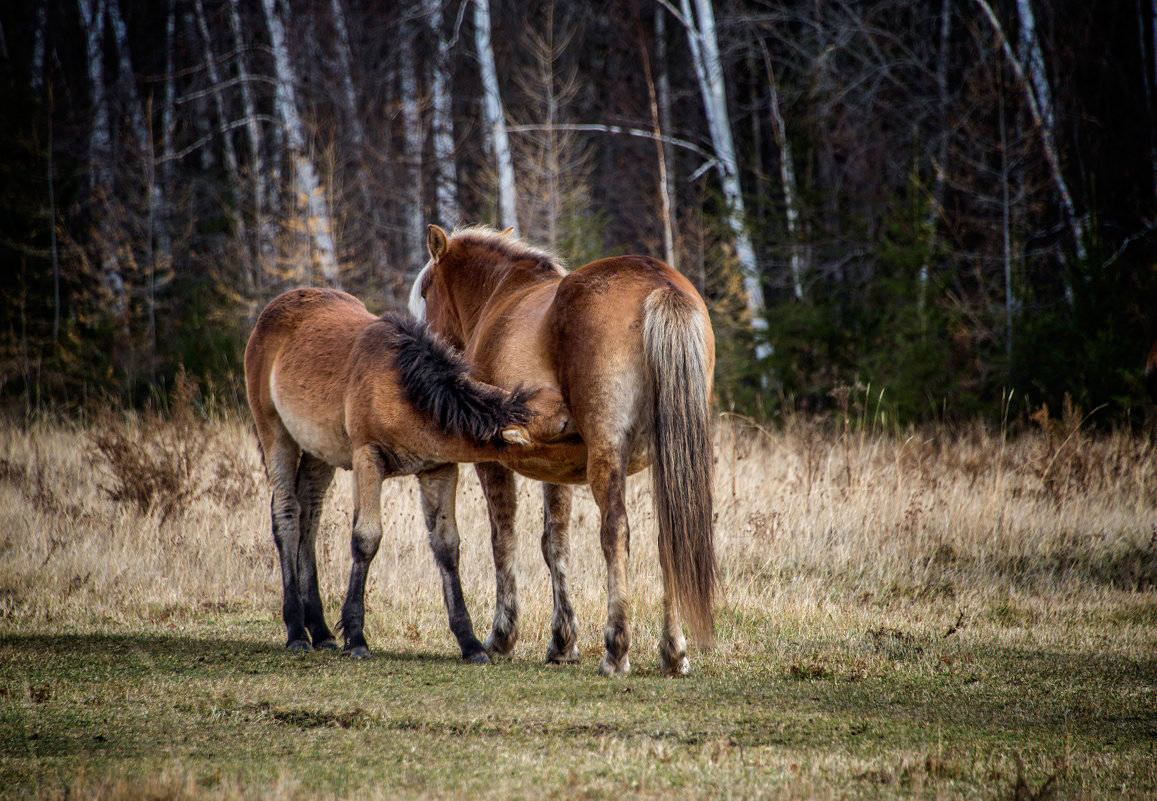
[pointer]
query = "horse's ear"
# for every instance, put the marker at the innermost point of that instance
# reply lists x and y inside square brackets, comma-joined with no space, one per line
[437,242]
[508,231]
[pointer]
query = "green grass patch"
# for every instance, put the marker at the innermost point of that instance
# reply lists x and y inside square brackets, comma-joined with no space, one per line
[225,712]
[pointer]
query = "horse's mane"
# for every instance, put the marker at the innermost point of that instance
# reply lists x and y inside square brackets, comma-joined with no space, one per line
[512,248]
[437,381]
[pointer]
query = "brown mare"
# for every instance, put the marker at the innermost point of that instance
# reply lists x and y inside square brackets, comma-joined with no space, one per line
[330,385]
[628,343]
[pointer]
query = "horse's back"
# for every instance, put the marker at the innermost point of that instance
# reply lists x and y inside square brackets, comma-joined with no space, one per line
[296,369]
[603,304]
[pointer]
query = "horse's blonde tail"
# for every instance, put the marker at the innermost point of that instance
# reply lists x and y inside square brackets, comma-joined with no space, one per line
[679,365]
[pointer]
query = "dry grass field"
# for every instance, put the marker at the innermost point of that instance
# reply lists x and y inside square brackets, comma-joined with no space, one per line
[925,614]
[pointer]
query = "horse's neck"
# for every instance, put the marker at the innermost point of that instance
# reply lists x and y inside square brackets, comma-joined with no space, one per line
[497,284]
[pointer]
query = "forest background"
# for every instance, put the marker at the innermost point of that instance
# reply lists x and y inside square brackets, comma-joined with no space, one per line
[945,209]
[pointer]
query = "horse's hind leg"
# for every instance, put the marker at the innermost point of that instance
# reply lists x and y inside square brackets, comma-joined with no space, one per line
[313,479]
[607,475]
[556,506]
[281,458]
[498,486]
[438,488]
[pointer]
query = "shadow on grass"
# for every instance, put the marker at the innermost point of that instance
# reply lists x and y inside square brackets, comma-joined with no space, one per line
[180,649]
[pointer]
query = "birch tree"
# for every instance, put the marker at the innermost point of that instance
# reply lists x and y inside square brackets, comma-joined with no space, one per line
[1041,113]
[256,156]
[497,141]
[39,48]
[942,148]
[217,91]
[92,15]
[787,179]
[357,131]
[442,119]
[308,185]
[704,47]
[663,100]
[415,216]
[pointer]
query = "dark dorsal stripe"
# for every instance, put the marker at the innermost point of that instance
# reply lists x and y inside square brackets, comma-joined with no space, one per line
[437,381]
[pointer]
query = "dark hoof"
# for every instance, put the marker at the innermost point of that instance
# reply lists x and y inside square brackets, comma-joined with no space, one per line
[298,645]
[357,652]
[479,658]
[327,645]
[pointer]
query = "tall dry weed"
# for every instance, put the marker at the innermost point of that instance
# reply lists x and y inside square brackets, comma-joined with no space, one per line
[157,462]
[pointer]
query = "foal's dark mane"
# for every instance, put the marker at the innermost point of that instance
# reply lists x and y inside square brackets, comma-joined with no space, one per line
[437,381]
[511,248]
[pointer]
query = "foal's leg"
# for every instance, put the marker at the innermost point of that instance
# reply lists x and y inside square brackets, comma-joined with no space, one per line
[438,488]
[313,479]
[606,471]
[501,502]
[556,506]
[367,536]
[281,459]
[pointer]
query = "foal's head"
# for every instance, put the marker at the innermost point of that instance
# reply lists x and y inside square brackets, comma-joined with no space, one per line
[463,271]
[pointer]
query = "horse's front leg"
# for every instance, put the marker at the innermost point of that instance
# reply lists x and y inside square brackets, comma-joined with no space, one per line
[438,488]
[607,476]
[556,507]
[367,536]
[313,479]
[501,502]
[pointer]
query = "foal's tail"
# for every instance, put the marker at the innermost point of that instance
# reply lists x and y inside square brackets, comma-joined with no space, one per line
[679,365]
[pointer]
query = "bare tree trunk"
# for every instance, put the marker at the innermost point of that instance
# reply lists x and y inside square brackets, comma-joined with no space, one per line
[1006,225]
[1039,120]
[663,87]
[52,230]
[126,77]
[357,133]
[709,71]
[412,151]
[942,152]
[39,48]
[666,212]
[264,244]
[787,179]
[92,15]
[442,120]
[308,185]
[160,266]
[219,102]
[495,119]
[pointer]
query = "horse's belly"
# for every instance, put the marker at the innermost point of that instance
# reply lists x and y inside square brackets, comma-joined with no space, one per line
[566,463]
[550,472]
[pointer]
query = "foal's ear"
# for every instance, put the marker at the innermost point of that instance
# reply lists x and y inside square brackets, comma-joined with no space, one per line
[437,242]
